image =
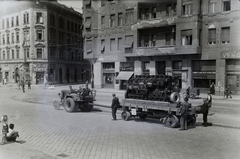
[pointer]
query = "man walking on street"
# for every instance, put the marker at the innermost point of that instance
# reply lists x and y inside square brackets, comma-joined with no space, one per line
[114,106]
[23,86]
[205,112]
[184,114]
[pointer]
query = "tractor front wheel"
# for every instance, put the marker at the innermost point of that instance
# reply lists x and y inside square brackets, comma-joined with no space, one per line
[56,105]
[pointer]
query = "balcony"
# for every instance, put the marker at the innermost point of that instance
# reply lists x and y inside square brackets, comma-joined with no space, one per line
[153,51]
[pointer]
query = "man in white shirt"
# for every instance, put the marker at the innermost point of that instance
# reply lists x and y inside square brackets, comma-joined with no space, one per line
[12,134]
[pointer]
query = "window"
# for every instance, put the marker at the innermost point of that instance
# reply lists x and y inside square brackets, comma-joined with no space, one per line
[168,39]
[119,46]
[102,3]
[3,39]
[147,13]
[146,40]
[39,53]
[112,20]
[7,23]
[61,54]
[12,37]
[13,54]
[68,25]
[129,16]
[89,46]
[102,21]
[154,12]
[177,65]
[8,39]
[17,37]
[3,55]
[39,18]
[146,68]
[212,36]
[61,37]
[175,9]
[168,10]
[26,52]
[25,18]
[186,37]
[120,19]
[129,44]
[212,7]
[112,44]
[12,22]
[8,54]
[187,9]
[26,36]
[226,5]
[225,35]
[3,24]
[61,22]
[88,24]
[102,46]
[153,40]
[17,20]
[52,19]
[39,34]
[88,4]
[52,53]
[17,53]
[72,27]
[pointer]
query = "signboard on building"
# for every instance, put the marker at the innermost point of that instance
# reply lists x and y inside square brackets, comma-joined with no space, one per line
[230,55]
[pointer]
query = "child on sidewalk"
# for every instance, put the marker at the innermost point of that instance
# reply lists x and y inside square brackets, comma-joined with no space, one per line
[12,134]
[4,129]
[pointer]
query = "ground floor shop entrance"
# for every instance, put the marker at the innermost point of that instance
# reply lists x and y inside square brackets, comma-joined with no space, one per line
[108,80]
[39,77]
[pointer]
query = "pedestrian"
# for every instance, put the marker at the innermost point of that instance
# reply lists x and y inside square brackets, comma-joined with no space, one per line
[205,108]
[212,88]
[114,106]
[209,100]
[188,92]
[4,81]
[23,86]
[229,91]
[29,84]
[12,134]
[4,128]
[184,113]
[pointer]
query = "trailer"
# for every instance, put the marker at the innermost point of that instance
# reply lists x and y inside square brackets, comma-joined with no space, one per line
[168,113]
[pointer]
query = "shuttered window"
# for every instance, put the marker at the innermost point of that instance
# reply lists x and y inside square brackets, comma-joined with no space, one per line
[186,37]
[225,35]
[212,36]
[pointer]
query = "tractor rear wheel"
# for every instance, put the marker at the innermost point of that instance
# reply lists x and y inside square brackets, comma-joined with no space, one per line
[69,105]
[143,116]
[172,121]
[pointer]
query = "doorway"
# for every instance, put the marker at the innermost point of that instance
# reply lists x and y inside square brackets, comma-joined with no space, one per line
[39,77]
[161,67]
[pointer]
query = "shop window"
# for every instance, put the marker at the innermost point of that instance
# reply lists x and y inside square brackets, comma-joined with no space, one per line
[126,66]
[39,53]
[226,5]
[120,19]
[225,35]
[129,16]
[108,66]
[187,9]
[112,20]
[39,18]
[186,37]
[177,65]
[212,36]
[212,6]
[112,45]
[203,83]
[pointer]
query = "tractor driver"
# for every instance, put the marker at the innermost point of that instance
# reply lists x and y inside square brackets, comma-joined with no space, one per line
[86,91]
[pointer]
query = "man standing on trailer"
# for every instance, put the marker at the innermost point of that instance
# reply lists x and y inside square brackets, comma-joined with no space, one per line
[184,114]
[114,106]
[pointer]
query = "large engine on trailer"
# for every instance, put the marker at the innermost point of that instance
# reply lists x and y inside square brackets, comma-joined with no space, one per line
[153,87]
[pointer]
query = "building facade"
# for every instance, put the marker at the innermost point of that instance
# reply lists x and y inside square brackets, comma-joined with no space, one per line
[41,41]
[194,40]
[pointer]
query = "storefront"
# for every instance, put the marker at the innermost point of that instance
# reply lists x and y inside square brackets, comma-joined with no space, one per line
[126,72]
[108,75]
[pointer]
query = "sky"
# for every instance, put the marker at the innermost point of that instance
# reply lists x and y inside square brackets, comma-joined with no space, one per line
[75,4]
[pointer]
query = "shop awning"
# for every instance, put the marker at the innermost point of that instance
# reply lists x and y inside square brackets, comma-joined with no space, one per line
[124,75]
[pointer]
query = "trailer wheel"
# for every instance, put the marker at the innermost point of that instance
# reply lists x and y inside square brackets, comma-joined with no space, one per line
[172,121]
[175,97]
[56,104]
[126,115]
[143,116]
[69,105]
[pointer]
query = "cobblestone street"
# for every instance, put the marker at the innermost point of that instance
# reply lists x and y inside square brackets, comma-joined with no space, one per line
[48,133]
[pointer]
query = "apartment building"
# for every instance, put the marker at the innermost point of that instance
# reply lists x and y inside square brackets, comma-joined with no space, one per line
[41,41]
[194,40]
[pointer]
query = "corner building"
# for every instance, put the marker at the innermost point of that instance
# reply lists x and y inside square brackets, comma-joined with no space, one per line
[41,41]
[194,40]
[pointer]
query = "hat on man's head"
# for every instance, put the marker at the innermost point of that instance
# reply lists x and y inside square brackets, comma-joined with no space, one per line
[114,94]
[185,98]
